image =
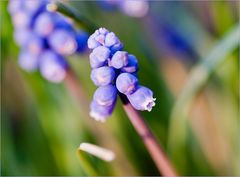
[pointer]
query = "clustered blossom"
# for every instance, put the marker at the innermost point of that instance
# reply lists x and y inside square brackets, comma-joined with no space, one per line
[45,38]
[113,71]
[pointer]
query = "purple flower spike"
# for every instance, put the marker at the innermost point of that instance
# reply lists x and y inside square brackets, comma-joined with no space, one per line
[63,42]
[126,83]
[142,99]
[103,76]
[105,95]
[28,61]
[99,56]
[53,67]
[132,65]
[119,59]
[114,70]
[100,113]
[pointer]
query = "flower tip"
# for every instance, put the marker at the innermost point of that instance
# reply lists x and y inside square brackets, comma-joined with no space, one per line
[102,30]
[150,104]
[97,117]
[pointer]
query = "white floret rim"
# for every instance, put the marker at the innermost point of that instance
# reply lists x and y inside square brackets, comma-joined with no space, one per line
[149,104]
[97,116]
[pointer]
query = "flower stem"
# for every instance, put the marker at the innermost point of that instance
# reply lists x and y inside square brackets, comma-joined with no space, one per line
[158,155]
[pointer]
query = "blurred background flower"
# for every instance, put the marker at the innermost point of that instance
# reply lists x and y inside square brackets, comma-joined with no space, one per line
[133,8]
[45,37]
[42,125]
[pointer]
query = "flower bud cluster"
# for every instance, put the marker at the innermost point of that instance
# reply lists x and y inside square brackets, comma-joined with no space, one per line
[45,38]
[113,71]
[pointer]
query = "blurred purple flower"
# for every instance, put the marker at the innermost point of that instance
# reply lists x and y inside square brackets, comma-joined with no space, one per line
[34,44]
[21,36]
[44,23]
[28,61]
[14,6]
[37,30]
[132,8]
[63,42]
[21,19]
[53,67]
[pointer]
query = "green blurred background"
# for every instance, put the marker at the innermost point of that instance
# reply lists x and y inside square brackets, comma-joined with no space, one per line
[42,124]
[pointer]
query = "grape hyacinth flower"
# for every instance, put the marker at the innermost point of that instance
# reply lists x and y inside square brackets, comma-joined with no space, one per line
[114,71]
[99,56]
[45,38]
[105,95]
[103,76]
[126,83]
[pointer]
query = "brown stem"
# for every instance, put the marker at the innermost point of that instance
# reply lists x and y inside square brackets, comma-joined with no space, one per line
[160,158]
